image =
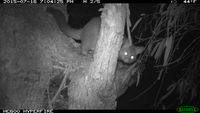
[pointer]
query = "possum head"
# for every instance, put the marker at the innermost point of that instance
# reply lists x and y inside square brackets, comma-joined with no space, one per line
[128,54]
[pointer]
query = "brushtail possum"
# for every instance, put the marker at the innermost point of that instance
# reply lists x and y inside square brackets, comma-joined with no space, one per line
[89,35]
[127,53]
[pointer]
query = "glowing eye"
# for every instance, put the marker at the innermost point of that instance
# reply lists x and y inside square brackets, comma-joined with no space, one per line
[132,57]
[125,53]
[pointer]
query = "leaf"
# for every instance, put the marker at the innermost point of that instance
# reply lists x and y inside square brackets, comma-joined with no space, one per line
[149,47]
[136,23]
[168,49]
[138,79]
[154,49]
[160,49]
[170,89]
[161,8]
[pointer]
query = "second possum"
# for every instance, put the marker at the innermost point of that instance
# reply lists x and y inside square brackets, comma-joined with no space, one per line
[89,35]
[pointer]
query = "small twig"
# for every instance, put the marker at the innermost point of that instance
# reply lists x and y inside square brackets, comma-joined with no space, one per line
[143,92]
[59,89]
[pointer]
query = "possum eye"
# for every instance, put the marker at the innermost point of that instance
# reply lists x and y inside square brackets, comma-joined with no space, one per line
[132,57]
[125,53]
[90,51]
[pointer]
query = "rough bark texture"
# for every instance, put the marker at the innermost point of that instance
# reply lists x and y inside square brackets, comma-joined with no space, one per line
[39,66]
[29,49]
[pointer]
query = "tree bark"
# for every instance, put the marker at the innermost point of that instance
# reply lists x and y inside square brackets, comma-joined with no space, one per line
[96,90]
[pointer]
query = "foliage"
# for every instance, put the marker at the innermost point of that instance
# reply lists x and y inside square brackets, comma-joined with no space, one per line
[169,28]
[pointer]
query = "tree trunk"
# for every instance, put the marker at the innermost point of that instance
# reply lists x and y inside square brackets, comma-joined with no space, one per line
[96,90]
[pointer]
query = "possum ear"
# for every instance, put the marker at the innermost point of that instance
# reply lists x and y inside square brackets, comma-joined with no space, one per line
[125,43]
[139,50]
